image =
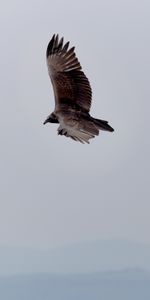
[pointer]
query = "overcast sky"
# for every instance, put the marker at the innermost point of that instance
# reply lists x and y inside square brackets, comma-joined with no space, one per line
[55,191]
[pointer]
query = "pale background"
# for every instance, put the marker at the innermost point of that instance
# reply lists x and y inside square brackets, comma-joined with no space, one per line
[55,191]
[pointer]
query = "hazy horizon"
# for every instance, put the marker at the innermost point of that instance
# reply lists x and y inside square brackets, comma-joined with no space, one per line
[80,258]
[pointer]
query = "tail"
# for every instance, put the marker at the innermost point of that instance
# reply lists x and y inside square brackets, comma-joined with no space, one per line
[103,125]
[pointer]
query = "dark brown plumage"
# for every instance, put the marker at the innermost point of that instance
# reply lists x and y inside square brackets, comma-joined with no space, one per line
[73,94]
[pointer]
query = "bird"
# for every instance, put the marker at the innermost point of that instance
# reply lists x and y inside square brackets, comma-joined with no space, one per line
[73,94]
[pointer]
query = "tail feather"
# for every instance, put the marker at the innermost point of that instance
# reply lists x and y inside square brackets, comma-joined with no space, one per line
[102,124]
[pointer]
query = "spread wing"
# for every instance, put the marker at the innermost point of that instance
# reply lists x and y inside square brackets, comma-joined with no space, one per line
[70,84]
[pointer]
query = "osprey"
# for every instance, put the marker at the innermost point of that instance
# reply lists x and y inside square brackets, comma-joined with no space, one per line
[72,93]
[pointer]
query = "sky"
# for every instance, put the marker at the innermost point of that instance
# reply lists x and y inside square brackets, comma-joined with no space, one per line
[55,191]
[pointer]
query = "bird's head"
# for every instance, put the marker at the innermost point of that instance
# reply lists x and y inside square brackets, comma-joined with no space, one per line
[51,119]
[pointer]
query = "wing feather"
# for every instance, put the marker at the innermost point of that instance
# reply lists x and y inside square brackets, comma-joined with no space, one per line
[68,80]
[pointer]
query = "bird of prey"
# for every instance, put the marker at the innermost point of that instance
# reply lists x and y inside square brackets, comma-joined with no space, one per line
[72,93]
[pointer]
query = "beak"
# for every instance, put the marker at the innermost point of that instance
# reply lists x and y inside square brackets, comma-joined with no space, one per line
[45,121]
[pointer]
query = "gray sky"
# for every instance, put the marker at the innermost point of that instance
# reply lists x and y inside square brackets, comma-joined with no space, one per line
[55,191]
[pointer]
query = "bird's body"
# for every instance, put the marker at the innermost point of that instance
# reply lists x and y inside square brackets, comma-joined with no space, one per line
[72,93]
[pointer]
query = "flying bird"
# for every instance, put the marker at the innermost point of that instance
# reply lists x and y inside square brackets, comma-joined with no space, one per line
[73,94]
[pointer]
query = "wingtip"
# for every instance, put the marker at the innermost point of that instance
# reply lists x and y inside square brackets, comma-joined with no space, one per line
[50,45]
[53,44]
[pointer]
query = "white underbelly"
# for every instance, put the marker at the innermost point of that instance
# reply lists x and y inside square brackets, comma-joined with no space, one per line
[69,130]
[73,131]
